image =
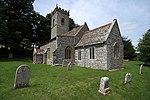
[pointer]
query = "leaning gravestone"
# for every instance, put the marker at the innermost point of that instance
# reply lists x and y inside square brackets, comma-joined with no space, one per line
[22,76]
[128,78]
[141,69]
[104,89]
[69,66]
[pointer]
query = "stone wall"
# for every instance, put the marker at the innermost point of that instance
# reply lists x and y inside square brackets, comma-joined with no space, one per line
[104,53]
[52,46]
[57,28]
[100,54]
[62,43]
[115,37]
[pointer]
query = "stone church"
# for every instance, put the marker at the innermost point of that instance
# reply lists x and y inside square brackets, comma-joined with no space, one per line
[99,48]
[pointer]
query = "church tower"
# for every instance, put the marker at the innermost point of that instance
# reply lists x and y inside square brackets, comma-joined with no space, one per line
[59,22]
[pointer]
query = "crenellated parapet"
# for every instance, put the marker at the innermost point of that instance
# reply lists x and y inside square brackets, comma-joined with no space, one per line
[60,10]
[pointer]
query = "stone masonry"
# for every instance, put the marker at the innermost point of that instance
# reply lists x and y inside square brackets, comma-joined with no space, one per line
[100,48]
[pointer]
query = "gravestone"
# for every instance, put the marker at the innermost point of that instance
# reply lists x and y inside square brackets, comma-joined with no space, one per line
[22,76]
[128,78]
[69,66]
[104,89]
[10,56]
[64,63]
[141,69]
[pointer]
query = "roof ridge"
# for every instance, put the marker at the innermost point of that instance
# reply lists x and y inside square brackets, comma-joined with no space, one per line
[79,29]
[75,30]
[100,27]
[93,37]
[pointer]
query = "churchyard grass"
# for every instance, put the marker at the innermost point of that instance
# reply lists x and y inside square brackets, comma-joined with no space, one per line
[52,83]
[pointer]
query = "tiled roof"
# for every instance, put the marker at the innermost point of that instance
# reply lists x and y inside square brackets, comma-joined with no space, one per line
[73,32]
[97,35]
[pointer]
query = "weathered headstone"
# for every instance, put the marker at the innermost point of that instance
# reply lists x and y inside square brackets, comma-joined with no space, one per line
[64,63]
[104,89]
[22,76]
[141,69]
[10,56]
[69,66]
[128,77]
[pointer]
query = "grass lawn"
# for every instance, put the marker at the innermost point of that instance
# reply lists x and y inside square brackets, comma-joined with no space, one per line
[52,83]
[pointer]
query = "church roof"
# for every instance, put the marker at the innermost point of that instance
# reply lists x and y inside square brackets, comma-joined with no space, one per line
[73,32]
[95,36]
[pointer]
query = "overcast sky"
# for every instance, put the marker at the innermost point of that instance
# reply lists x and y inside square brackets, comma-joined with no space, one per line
[133,15]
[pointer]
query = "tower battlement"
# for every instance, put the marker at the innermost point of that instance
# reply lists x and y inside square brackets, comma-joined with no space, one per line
[60,10]
[59,21]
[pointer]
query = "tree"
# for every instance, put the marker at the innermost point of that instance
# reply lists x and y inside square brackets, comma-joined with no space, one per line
[16,18]
[42,29]
[72,24]
[144,47]
[21,26]
[129,51]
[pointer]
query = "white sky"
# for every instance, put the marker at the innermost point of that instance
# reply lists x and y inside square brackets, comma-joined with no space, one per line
[133,15]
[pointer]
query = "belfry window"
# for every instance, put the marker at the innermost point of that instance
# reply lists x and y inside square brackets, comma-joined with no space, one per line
[62,21]
[92,53]
[116,50]
[53,22]
[68,53]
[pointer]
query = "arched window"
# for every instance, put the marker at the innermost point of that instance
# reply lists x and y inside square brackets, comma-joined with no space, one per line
[62,21]
[68,53]
[116,50]
[53,22]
